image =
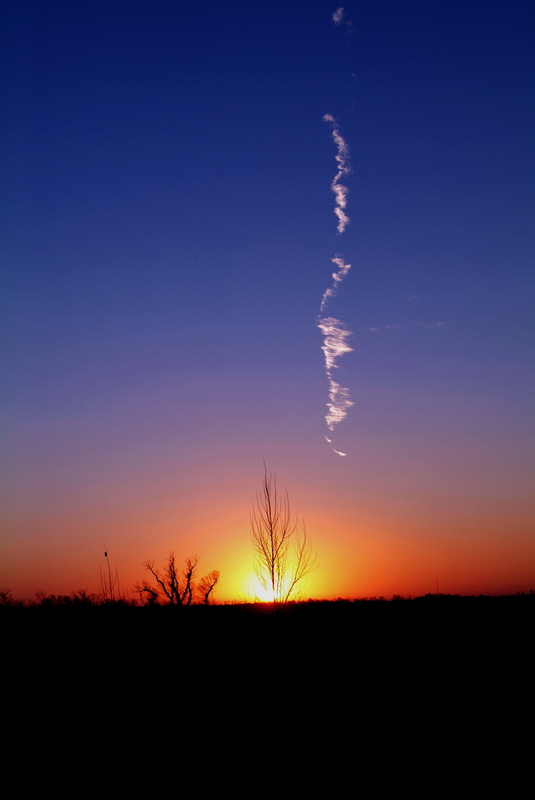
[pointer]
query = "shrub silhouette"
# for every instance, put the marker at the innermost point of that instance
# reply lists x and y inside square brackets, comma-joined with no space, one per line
[177,589]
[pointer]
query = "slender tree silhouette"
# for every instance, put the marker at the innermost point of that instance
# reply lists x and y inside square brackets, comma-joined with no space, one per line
[282,552]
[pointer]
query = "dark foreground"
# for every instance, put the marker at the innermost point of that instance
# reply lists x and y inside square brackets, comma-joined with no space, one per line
[427,679]
[427,632]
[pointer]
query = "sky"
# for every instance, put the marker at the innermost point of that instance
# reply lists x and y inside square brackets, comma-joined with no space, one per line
[169,187]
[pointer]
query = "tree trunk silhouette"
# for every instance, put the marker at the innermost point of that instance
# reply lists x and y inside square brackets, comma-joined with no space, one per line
[283,553]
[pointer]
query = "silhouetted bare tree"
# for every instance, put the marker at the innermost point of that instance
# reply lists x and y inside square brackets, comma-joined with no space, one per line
[206,587]
[283,553]
[6,597]
[178,589]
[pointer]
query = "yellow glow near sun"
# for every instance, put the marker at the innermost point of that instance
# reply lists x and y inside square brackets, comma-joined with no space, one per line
[256,593]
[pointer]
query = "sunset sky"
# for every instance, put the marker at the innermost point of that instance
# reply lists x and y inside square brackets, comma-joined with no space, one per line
[168,235]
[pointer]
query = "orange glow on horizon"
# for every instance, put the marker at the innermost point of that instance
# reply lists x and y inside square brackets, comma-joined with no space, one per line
[363,551]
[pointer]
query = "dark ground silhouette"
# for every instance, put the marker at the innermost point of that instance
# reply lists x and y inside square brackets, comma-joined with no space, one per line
[429,630]
[347,680]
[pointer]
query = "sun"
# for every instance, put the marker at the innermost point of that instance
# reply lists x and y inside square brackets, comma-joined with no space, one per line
[258,593]
[263,594]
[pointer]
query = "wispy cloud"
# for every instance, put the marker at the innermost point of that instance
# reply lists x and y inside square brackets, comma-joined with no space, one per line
[338,277]
[334,332]
[344,168]
[338,452]
[338,16]
[335,345]
[393,327]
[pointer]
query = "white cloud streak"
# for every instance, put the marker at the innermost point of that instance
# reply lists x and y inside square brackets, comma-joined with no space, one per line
[344,168]
[335,334]
[338,277]
[335,345]
[338,452]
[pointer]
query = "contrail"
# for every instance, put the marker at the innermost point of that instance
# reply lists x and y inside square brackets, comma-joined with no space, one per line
[334,346]
[338,277]
[344,168]
[334,332]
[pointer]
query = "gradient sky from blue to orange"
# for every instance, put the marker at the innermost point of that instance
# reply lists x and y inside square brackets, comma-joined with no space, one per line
[168,231]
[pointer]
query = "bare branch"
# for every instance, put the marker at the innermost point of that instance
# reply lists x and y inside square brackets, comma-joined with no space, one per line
[161,583]
[146,593]
[178,589]
[189,572]
[280,569]
[206,586]
[305,563]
